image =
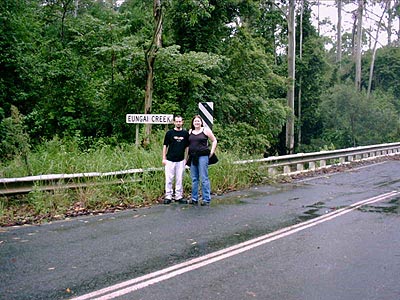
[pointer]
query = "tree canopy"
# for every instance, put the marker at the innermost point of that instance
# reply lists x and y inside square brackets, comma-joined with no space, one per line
[76,68]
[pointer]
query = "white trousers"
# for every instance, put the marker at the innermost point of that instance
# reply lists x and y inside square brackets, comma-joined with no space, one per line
[174,170]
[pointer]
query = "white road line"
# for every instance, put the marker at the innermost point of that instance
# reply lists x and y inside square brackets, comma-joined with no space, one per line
[164,274]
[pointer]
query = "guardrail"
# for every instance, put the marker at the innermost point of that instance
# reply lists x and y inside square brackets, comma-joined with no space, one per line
[304,162]
[20,185]
[286,164]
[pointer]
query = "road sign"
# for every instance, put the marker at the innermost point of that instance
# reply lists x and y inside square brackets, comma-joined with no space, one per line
[149,119]
[206,112]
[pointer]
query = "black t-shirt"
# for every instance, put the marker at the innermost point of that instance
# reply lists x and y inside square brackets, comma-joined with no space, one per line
[176,142]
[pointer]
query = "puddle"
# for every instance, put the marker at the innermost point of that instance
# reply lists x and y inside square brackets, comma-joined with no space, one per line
[233,200]
[380,209]
[309,214]
[391,207]
[204,247]
[316,210]
[317,205]
[254,194]
[312,212]
[395,201]
[239,198]
[388,183]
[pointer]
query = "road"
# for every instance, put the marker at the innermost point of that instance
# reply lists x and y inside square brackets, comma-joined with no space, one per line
[334,236]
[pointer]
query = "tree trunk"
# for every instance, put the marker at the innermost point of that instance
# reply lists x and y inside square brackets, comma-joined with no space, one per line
[358,49]
[65,7]
[272,8]
[353,35]
[300,78]
[371,70]
[339,34]
[395,7]
[291,77]
[390,22]
[150,60]
[76,8]
[318,20]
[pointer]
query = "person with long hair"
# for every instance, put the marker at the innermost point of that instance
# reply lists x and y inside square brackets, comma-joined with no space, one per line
[199,155]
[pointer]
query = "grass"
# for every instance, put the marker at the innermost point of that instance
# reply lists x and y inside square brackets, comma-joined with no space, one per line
[106,194]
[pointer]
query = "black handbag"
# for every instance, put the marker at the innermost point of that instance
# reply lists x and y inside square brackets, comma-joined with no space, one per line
[213,159]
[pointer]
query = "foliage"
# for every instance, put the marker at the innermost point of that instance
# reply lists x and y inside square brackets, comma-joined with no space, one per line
[182,80]
[241,138]
[20,43]
[259,103]
[201,28]
[110,193]
[352,119]
[311,68]
[75,68]
[386,71]
[15,143]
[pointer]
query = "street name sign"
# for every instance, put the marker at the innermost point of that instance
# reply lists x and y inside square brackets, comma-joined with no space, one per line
[149,119]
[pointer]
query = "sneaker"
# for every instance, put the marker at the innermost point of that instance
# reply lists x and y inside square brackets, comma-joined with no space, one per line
[181,201]
[205,203]
[194,202]
[167,201]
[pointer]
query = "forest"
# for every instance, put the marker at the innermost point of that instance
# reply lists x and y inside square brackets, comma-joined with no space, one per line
[72,69]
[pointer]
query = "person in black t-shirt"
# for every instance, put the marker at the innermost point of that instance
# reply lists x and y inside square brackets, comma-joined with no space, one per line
[174,155]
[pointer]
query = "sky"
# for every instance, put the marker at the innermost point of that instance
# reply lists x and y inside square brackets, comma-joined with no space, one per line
[327,9]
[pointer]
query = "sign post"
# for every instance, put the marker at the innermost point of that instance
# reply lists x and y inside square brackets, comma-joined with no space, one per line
[148,119]
[137,136]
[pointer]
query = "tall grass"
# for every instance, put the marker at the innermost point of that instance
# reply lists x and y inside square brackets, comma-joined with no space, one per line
[68,156]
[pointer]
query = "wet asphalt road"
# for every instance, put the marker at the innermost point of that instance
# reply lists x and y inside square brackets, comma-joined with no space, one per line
[354,256]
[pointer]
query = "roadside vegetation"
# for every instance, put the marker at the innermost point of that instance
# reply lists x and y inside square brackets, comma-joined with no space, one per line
[67,156]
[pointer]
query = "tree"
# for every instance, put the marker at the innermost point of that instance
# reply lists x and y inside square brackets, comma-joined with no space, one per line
[358,48]
[155,45]
[20,43]
[339,33]
[371,72]
[300,77]
[393,11]
[184,79]
[202,26]
[344,110]
[15,141]
[291,76]
[387,72]
[311,67]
